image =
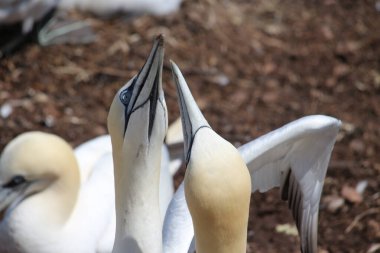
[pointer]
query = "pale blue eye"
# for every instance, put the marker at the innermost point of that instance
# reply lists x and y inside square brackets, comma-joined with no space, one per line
[125,95]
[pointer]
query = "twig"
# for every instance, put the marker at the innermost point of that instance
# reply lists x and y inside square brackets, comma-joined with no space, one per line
[361,216]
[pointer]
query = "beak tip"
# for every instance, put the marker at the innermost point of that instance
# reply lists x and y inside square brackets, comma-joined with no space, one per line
[160,40]
[175,72]
[172,65]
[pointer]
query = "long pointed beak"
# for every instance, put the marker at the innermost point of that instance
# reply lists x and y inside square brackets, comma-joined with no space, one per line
[191,115]
[146,86]
[6,198]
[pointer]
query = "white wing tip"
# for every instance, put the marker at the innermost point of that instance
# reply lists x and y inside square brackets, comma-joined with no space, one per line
[320,121]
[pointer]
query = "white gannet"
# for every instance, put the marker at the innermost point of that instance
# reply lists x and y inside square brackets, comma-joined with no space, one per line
[294,157]
[100,7]
[21,212]
[28,12]
[137,123]
[48,204]
[24,21]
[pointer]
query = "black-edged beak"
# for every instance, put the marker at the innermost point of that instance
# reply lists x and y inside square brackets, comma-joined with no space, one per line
[191,115]
[146,86]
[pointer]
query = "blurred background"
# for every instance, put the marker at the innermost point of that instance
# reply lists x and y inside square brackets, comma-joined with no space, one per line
[253,66]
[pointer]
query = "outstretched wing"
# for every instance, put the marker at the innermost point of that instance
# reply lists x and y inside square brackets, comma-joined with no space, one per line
[295,157]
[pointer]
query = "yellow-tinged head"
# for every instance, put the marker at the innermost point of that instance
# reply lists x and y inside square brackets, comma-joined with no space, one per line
[217,181]
[37,163]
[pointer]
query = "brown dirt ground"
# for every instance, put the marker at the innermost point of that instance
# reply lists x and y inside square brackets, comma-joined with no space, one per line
[281,60]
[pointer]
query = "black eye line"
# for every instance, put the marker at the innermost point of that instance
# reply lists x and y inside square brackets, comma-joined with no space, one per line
[153,103]
[15,181]
[191,143]
[126,114]
[126,102]
[184,110]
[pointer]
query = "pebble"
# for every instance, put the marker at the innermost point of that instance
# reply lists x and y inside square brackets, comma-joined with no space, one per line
[334,203]
[6,110]
[351,195]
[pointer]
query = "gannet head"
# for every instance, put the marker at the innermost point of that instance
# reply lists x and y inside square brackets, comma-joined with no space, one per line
[217,181]
[33,162]
[137,123]
[138,110]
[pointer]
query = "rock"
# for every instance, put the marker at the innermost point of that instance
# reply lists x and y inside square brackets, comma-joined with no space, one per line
[6,110]
[287,229]
[351,195]
[374,248]
[357,145]
[361,186]
[333,203]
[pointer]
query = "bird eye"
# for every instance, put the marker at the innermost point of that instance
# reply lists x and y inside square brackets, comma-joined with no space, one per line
[15,181]
[125,95]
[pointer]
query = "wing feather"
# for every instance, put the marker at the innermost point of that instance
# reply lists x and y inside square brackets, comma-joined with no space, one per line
[295,157]
[178,228]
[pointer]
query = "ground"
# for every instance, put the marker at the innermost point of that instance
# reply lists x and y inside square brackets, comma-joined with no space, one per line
[252,67]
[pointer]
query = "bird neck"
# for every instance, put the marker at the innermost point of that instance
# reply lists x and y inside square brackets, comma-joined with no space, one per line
[137,173]
[217,189]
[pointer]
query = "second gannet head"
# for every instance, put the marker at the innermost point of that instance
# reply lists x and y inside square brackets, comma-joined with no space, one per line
[217,181]
[40,170]
[137,123]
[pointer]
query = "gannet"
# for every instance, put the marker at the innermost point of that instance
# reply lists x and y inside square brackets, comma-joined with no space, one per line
[100,7]
[25,11]
[294,157]
[20,21]
[21,212]
[53,199]
[137,123]
[24,21]
[48,204]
